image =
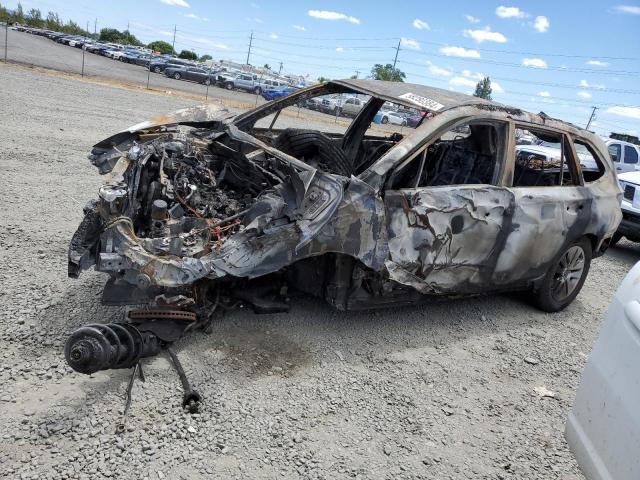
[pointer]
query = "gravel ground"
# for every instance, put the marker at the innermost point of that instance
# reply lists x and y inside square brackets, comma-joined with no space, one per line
[443,391]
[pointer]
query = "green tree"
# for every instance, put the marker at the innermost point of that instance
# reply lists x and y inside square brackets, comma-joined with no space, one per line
[18,14]
[387,73]
[4,15]
[53,21]
[322,79]
[113,35]
[161,46]
[483,89]
[188,55]
[204,58]
[267,66]
[34,18]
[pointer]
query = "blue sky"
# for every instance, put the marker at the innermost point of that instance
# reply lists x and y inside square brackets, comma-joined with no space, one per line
[558,57]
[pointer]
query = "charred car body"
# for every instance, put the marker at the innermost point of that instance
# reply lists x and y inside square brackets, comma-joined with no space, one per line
[203,210]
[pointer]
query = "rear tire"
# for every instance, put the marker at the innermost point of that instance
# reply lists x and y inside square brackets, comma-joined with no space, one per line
[565,277]
[310,144]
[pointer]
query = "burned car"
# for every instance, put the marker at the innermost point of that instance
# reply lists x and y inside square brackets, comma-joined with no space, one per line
[203,210]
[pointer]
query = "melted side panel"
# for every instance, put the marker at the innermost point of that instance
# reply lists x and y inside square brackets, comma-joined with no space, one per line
[446,239]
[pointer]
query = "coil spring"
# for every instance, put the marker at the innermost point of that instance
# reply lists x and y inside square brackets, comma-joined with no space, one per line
[115,345]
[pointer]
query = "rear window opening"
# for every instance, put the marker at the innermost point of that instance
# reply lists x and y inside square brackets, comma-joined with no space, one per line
[542,159]
[590,163]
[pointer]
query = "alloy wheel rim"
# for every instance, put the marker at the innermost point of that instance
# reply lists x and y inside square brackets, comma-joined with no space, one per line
[568,273]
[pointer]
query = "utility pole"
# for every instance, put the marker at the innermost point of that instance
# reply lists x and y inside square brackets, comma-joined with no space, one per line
[357,73]
[249,51]
[396,57]
[173,45]
[127,26]
[6,39]
[95,26]
[593,115]
[280,70]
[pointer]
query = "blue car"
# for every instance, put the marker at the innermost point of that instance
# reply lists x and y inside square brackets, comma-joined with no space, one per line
[274,93]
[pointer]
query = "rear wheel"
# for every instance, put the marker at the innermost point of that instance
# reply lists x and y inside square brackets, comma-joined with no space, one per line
[313,146]
[565,277]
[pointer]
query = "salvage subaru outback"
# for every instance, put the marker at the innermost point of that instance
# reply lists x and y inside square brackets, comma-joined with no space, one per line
[203,211]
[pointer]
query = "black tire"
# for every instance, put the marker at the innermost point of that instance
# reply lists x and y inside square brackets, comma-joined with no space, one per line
[257,90]
[207,82]
[310,144]
[615,239]
[177,76]
[157,70]
[228,86]
[384,120]
[551,296]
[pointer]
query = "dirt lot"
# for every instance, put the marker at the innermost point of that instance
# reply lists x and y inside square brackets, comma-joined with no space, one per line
[440,391]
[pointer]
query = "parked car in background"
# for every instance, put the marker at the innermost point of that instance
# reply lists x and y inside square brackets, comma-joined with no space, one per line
[390,116]
[603,427]
[630,205]
[273,93]
[158,66]
[194,74]
[351,106]
[243,81]
[624,155]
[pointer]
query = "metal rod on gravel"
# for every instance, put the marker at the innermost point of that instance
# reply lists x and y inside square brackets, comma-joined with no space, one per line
[148,74]
[191,398]
[137,370]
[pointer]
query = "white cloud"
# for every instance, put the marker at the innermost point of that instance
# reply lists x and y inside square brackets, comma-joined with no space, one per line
[496,87]
[459,52]
[421,24]
[596,86]
[439,71]
[631,112]
[410,44]
[176,3]
[583,94]
[510,12]
[630,9]
[597,63]
[472,19]
[299,27]
[254,20]
[273,35]
[462,82]
[544,94]
[329,15]
[541,24]
[470,74]
[339,49]
[485,35]
[534,62]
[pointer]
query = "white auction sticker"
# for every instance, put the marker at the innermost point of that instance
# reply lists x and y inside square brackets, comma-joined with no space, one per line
[423,101]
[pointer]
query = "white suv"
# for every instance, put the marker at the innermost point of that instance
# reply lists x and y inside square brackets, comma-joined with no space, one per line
[624,155]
